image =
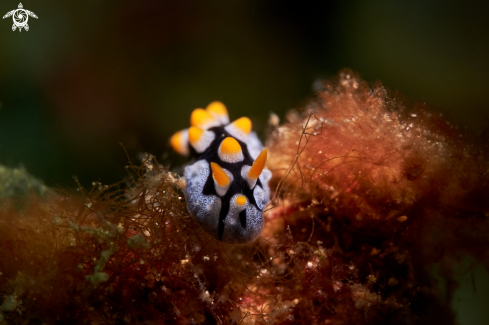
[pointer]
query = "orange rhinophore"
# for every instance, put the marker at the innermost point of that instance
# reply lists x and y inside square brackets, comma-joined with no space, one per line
[220,175]
[258,165]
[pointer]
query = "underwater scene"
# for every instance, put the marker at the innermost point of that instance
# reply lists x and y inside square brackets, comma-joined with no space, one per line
[244,162]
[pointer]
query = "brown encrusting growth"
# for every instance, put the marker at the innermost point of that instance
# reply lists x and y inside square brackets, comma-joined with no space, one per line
[373,194]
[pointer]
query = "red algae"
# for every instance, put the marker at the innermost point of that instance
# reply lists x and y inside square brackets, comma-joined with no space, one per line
[377,198]
[389,188]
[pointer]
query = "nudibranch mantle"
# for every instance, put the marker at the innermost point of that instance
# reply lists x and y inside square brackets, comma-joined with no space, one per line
[227,187]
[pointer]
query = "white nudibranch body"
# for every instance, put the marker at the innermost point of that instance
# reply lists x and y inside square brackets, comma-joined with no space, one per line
[227,186]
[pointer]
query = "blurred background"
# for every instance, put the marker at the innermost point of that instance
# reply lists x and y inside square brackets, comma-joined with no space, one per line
[89,75]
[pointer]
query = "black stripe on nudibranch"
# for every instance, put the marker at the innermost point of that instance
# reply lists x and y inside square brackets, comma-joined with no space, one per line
[242,218]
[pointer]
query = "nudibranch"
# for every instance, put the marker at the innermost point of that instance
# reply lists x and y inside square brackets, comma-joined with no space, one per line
[226,189]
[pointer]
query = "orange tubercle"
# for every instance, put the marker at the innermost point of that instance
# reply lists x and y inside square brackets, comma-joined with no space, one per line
[241,199]
[179,142]
[230,146]
[217,108]
[201,118]
[194,134]
[243,124]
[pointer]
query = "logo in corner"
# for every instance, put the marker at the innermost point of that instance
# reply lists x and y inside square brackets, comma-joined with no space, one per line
[20,17]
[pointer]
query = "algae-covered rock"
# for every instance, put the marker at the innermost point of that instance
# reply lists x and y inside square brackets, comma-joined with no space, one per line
[15,182]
